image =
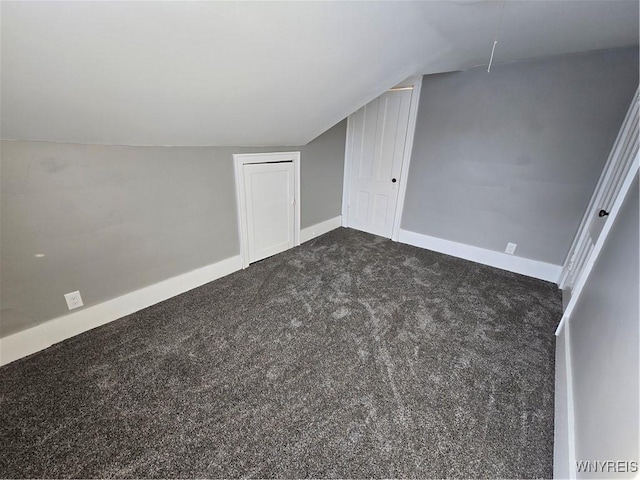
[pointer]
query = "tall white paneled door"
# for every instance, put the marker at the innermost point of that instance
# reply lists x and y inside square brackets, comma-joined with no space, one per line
[379,140]
[268,190]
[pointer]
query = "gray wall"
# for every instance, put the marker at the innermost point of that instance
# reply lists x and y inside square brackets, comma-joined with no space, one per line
[605,347]
[321,175]
[113,219]
[514,155]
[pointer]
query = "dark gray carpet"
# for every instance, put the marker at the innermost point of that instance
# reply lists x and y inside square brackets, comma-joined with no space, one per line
[351,356]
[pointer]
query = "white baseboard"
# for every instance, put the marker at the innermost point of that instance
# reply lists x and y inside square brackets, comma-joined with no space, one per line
[321,228]
[42,336]
[523,266]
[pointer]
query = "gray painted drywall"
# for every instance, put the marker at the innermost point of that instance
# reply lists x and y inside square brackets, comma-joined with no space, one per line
[321,175]
[605,347]
[113,219]
[514,155]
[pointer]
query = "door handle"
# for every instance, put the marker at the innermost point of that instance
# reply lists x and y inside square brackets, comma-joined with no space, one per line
[603,213]
[393,180]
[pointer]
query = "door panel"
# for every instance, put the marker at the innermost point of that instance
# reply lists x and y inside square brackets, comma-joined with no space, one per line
[269,190]
[362,204]
[380,208]
[391,122]
[379,134]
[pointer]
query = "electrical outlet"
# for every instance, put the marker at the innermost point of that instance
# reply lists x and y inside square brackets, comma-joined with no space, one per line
[511,248]
[74,300]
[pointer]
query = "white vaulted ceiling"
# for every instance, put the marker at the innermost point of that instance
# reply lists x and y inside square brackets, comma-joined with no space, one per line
[263,73]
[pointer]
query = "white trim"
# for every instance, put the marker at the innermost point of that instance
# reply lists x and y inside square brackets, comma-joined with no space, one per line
[321,228]
[570,412]
[42,336]
[240,159]
[615,210]
[564,455]
[346,182]
[523,266]
[406,157]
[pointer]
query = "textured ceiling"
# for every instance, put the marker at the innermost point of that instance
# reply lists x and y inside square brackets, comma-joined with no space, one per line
[264,73]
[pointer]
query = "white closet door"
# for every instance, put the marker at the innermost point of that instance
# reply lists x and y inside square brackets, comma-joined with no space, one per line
[270,193]
[379,134]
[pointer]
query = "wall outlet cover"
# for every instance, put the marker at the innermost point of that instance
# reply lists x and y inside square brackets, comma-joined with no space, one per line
[511,248]
[74,300]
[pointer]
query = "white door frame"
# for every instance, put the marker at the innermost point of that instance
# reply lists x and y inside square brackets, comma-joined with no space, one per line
[241,159]
[414,83]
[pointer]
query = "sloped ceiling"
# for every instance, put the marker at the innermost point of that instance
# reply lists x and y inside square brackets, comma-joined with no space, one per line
[264,73]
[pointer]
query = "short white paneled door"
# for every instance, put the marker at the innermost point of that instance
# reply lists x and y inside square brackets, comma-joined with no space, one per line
[269,190]
[378,132]
[268,211]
